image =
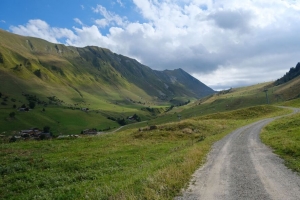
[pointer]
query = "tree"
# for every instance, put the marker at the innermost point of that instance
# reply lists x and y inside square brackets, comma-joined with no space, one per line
[136,117]
[38,73]
[122,121]
[46,129]
[31,104]
[12,114]
[0,94]
[14,106]
[1,58]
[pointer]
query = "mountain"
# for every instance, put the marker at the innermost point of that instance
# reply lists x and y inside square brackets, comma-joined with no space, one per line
[293,73]
[72,73]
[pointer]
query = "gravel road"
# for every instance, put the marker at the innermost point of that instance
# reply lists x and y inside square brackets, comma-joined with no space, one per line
[241,167]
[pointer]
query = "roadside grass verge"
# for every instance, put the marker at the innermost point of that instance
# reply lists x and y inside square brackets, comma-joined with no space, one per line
[133,164]
[283,135]
[291,103]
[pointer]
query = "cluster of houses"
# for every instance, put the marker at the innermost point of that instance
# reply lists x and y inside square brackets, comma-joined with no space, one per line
[33,133]
[37,134]
[89,131]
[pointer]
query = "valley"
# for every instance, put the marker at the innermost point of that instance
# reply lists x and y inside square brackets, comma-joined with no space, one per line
[120,130]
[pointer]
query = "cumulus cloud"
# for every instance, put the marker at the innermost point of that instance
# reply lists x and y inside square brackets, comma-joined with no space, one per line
[224,43]
[40,29]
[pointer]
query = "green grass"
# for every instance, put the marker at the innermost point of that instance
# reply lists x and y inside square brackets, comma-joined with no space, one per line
[291,103]
[132,164]
[243,97]
[283,135]
[60,120]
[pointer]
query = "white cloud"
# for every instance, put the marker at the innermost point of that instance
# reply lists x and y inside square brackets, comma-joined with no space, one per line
[3,21]
[78,21]
[225,43]
[232,19]
[110,17]
[121,3]
[102,23]
[40,29]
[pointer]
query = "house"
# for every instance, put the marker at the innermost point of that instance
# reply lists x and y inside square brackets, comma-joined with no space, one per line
[89,131]
[26,133]
[23,109]
[33,132]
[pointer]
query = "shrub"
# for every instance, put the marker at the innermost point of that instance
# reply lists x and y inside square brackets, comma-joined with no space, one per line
[46,129]
[12,114]
[31,104]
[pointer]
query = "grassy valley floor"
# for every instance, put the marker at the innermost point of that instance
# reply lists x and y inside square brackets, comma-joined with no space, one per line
[133,164]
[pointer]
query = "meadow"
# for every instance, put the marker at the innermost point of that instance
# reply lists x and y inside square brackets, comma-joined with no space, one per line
[131,164]
[283,135]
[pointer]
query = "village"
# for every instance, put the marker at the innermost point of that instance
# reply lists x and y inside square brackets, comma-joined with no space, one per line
[32,134]
[45,134]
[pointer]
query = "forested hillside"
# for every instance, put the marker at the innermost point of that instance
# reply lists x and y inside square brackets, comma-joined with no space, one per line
[293,73]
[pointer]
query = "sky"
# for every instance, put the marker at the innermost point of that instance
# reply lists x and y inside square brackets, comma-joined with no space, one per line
[223,43]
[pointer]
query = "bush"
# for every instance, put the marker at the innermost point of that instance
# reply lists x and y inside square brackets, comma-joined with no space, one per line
[31,104]
[38,73]
[46,129]
[12,114]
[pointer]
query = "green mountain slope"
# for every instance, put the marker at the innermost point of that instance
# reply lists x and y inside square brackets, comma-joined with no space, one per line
[35,65]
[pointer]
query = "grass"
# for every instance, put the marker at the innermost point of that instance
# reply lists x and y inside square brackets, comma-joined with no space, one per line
[148,164]
[291,103]
[237,98]
[60,120]
[59,117]
[283,135]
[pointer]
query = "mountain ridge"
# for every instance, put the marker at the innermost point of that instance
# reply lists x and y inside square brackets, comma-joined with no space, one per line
[91,69]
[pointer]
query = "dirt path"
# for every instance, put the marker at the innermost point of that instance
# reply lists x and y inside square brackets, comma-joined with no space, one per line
[241,167]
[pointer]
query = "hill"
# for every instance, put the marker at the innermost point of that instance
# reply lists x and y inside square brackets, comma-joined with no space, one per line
[62,81]
[293,73]
[37,65]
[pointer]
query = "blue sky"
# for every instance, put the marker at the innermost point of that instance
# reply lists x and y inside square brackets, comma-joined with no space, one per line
[223,43]
[61,13]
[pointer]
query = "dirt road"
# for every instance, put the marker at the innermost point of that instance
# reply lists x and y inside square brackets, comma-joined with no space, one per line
[241,167]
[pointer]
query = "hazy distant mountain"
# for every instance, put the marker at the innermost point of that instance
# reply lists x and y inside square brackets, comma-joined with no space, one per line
[34,64]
